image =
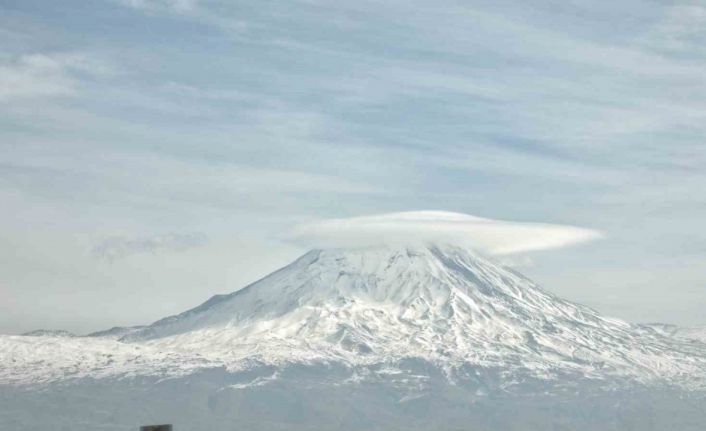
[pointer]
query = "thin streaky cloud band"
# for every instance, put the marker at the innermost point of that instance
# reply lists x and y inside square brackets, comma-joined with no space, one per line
[119,247]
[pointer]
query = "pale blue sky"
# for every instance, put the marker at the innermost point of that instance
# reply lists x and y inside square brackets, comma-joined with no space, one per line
[155,152]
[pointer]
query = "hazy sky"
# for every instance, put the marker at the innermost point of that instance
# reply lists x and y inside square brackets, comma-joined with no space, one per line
[156,152]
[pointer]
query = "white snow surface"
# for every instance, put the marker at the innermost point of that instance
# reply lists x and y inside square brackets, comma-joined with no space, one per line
[439,303]
[697,333]
[693,333]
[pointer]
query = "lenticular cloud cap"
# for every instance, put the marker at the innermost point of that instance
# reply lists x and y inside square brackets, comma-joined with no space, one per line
[496,237]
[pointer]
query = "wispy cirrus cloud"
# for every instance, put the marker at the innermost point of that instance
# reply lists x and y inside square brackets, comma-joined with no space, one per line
[157,5]
[682,30]
[46,74]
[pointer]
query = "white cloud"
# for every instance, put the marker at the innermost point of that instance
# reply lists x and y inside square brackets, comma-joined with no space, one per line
[155,5]
[682,29]
[494,237]
[119,247]
[517,261]
[42,75]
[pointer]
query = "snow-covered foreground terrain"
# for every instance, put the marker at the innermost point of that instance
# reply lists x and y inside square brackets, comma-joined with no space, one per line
[375,338]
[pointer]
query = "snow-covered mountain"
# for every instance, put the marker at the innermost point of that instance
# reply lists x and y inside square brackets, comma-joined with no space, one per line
[441,303]
[380,317]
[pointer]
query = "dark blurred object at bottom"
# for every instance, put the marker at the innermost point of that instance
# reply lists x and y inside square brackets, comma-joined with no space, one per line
[156,428]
